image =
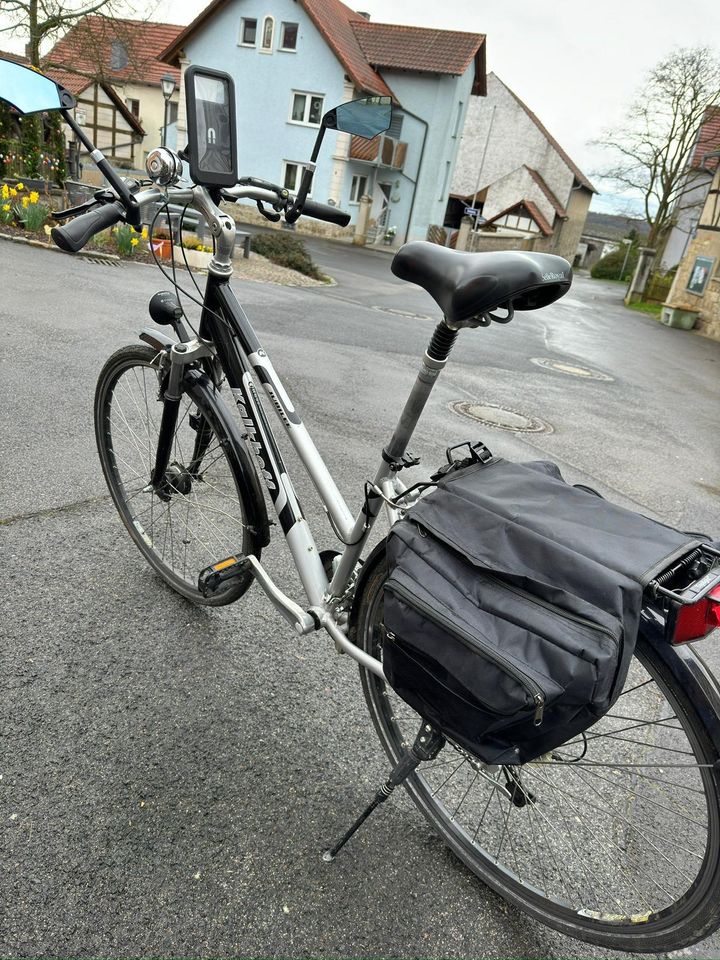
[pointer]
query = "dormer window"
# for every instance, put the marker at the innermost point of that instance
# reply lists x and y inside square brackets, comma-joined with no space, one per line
[119,58]
[268,30]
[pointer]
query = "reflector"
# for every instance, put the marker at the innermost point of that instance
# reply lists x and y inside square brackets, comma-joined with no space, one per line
[698,619]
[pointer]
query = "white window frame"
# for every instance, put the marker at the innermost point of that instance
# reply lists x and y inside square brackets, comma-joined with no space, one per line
[281,46]
[356,178]
[241,41]
[306,112]
[298,175]
[261,47]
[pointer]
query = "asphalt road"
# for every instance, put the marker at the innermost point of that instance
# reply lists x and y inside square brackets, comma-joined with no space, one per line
[169,774]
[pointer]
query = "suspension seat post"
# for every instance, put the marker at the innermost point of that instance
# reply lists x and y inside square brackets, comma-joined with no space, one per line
[433,362]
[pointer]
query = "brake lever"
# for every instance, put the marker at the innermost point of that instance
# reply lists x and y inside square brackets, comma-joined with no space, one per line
[100,196]
[272,217]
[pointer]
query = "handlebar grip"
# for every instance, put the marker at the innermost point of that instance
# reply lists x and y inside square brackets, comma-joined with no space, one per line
[323,211]
[74,235]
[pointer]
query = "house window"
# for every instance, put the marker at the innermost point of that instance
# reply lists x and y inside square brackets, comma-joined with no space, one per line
[172,113]
[358,188]
[292,175]
[267,35]
[119,58]
[288,36]
[307,108]
[133,106]
[248,32]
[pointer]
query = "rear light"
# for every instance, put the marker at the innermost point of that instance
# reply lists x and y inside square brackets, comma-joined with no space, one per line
[696,620]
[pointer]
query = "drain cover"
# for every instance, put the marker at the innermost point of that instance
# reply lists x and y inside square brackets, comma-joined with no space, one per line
[570,369]
[491,415]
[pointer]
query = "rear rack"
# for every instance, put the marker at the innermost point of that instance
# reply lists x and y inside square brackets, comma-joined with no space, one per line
[698,589]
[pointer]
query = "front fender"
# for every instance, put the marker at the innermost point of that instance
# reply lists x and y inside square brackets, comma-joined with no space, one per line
[156,338]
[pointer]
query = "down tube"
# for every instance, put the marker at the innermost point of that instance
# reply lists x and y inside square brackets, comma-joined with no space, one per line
[220,299]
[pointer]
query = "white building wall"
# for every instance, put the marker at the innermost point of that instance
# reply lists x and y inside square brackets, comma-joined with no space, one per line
[514,140]
[688,210]
[516,185]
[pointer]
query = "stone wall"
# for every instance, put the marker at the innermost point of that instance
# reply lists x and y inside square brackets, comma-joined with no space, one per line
[706,244]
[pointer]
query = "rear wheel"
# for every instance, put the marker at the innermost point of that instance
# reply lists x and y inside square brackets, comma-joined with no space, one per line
[614,838]
[197,516]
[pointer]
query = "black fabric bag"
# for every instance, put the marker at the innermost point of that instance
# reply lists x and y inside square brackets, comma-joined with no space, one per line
[512,605]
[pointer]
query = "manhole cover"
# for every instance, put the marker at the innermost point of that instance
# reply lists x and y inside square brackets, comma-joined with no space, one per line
[491,415]
[570,369]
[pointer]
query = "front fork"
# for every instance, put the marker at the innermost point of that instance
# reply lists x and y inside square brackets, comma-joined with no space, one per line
[181,355]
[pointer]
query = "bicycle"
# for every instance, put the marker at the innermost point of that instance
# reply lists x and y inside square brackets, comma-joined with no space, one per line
[614,838]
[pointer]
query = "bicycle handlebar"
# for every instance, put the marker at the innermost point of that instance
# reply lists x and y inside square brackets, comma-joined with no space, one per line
[74,235]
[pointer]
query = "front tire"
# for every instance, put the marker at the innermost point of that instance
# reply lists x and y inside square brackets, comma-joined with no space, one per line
[200,517]
[620,846]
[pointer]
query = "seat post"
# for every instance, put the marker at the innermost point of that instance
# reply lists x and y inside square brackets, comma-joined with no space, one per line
[435,358]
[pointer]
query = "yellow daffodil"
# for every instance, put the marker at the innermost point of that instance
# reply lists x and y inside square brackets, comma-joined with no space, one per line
[25,202]
[13,192]
[34,196]
[20,186]
[134,241]
[48,230]
[5,191]
[144,233]
[6,207]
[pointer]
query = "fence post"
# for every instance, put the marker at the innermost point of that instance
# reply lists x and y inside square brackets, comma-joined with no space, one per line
[361,227]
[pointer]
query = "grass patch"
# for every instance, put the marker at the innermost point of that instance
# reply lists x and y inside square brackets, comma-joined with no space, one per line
[286,250]
[653,308]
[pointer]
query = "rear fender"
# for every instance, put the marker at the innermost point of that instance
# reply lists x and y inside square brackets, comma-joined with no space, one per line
[689,670]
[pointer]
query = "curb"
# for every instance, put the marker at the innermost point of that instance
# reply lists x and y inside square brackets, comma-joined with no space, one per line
[96,256]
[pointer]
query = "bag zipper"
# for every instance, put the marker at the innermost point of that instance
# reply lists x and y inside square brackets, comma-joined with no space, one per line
[518,591]
[553,608]
[468,640]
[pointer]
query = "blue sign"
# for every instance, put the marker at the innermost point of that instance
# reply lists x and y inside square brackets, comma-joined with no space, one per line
[471,212]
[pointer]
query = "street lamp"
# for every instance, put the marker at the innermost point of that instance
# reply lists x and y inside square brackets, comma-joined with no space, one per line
[168,88]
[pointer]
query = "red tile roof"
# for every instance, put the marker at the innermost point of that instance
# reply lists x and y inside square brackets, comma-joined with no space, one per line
[556,205]
[417,48]
[361,45]
[708,140]
[87,47]
[531,208]
[579,175]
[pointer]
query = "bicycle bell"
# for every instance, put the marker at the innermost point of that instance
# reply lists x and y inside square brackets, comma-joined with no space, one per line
[163,166]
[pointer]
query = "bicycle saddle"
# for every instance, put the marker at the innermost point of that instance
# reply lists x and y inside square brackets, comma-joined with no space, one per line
[468,286]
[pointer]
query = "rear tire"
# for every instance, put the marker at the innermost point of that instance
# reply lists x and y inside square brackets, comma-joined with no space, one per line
[616,819]
[202,517]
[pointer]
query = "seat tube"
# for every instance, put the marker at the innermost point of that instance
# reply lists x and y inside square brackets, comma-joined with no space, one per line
[433,362]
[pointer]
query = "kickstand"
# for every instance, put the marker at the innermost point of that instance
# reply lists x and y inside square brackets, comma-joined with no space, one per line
[428,744]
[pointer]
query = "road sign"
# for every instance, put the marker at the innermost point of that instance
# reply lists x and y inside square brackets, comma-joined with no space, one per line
[471,212]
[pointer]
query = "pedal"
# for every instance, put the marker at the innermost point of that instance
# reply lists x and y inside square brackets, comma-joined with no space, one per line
[212,578]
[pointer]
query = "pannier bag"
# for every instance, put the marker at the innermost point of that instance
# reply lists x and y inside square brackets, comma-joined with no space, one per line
[512,605]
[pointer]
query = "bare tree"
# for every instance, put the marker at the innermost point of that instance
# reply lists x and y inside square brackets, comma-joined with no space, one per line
[45,20]
[654,144]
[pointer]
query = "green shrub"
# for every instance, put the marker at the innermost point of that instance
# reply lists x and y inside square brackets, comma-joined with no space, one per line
[609,266]
[286,250]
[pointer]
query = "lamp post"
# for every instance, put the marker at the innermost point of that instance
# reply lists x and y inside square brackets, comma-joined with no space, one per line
[168,88]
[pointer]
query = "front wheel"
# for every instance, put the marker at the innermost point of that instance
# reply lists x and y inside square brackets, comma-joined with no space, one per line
[198,515]
[613,838]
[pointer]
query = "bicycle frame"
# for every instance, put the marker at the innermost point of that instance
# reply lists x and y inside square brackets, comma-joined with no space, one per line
[225,326]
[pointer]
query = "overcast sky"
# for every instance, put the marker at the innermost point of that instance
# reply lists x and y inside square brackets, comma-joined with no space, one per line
[576,65]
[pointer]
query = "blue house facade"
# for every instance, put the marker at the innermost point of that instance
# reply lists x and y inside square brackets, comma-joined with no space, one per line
[292,60]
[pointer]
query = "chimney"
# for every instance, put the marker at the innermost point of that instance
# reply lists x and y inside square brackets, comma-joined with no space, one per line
[362,13]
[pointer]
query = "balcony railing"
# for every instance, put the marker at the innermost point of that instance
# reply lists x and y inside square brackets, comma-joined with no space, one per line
[382,150]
